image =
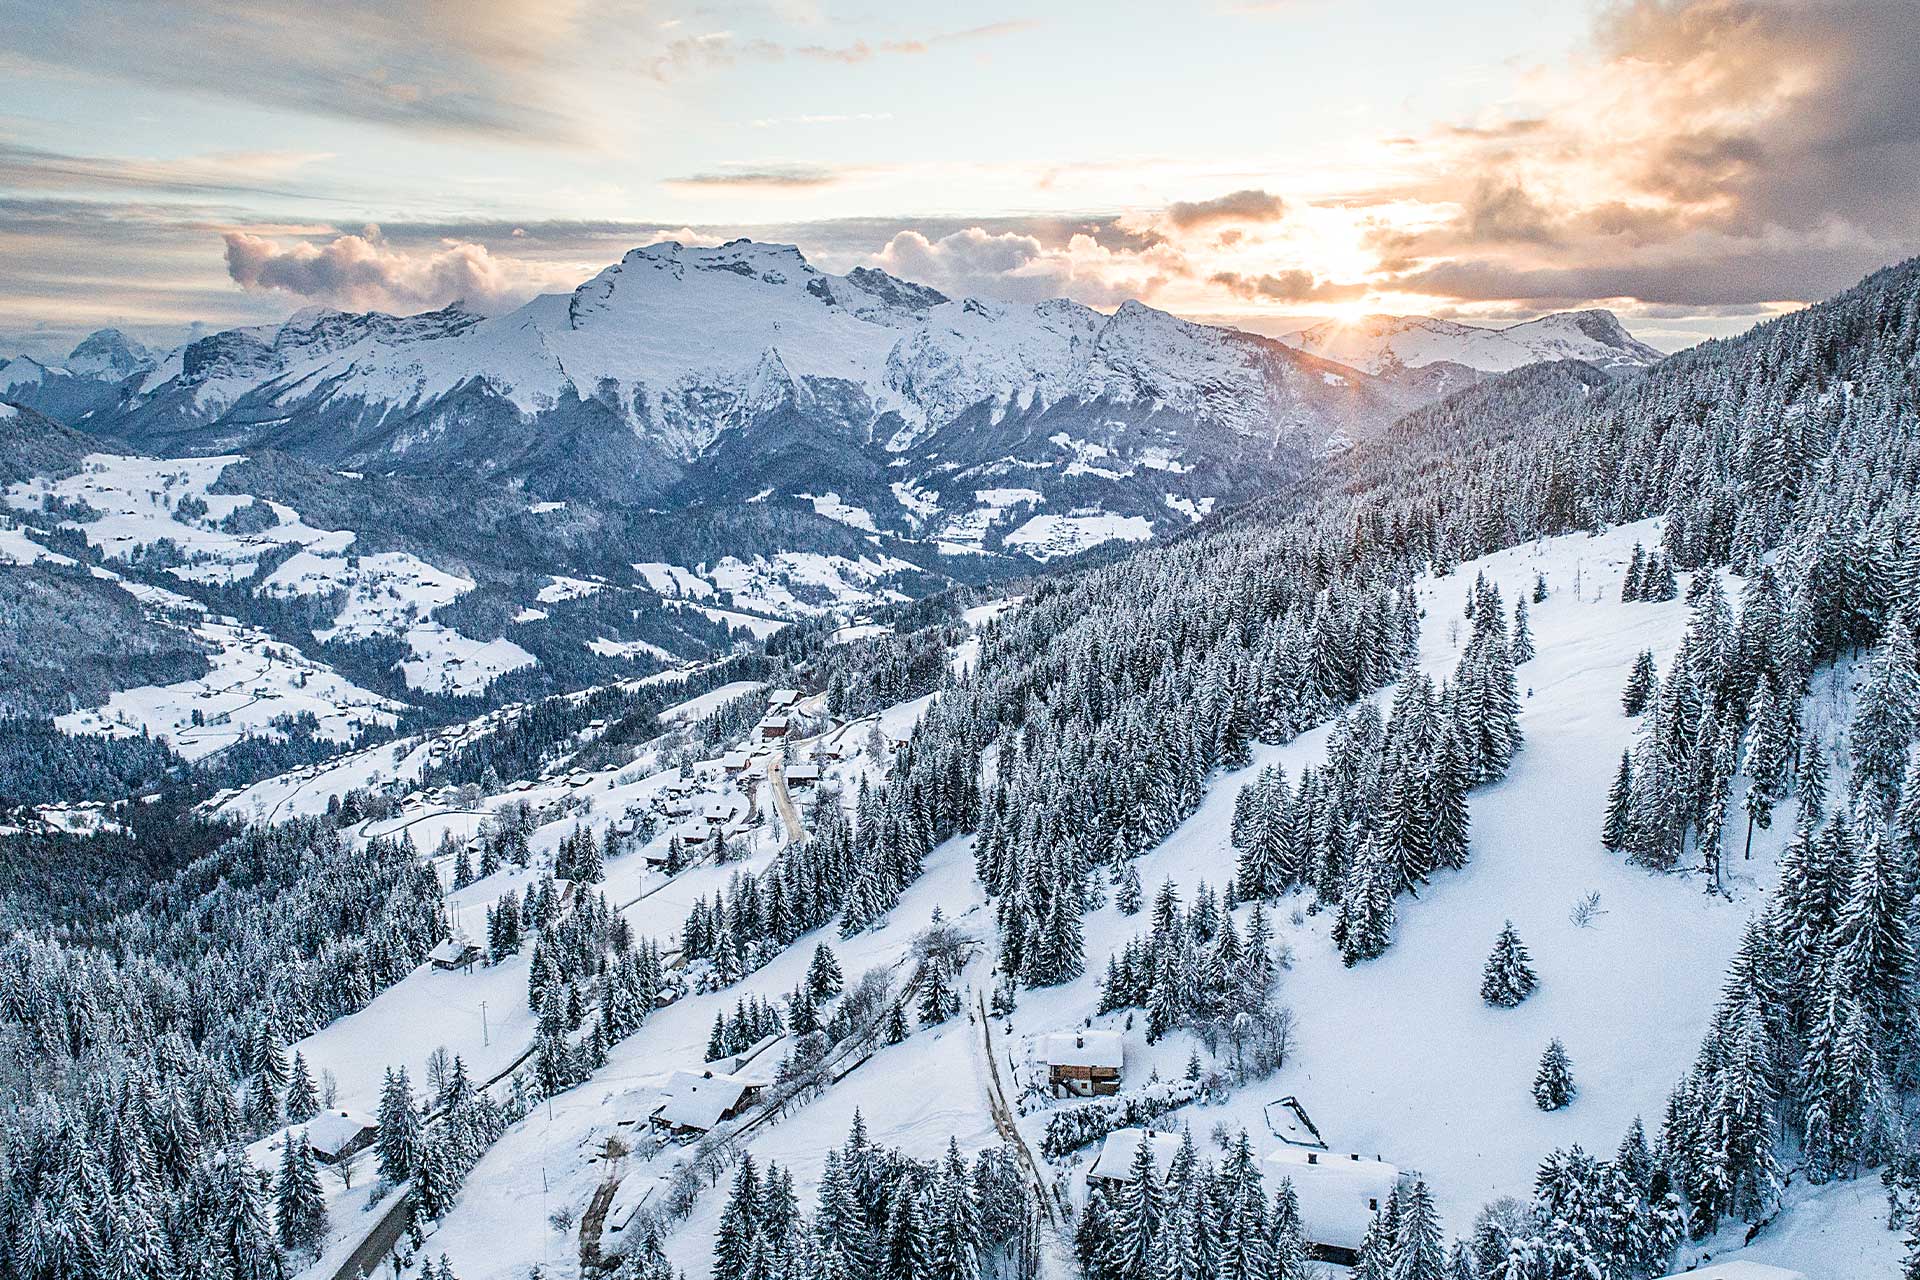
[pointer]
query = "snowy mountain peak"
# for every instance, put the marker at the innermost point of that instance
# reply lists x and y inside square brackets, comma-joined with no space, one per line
[110,355]
[1383,344]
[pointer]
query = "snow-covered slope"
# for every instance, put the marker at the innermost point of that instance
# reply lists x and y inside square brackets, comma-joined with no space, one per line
[1385,344]
[1630,990]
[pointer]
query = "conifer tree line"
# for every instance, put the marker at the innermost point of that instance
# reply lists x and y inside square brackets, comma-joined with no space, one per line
[1727,705]
[1113,696]
[878,1215]
[142,1056]
[1194,969]
[1388,808]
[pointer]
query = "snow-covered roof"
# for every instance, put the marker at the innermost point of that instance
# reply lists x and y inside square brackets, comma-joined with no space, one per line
[450,951]
[783,697]
[803,772]
[1339,1192]
[331,1131]
[1115,1160]
[1739,1270]
[1083,1049]
[699,1101]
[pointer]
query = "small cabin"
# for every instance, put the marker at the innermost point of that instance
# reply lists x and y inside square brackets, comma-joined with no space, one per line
[337,1135]
[1114,1164]
[1083,1063]
[734,762]
[697,1103]
[1339,1194]
[455,953]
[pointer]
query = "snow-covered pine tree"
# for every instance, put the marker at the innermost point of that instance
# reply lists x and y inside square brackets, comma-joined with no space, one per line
[1642,681]
[1508,977]
[1553,1086]
[1522,633]
[300,1207]
[303,1101]
[1617,832]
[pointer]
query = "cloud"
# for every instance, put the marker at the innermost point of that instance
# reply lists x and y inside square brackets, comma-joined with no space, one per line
[362,273]
[1716,153]
[1239,206]
[1018,266]
[479,67]
[763,177]
[1294,285]
[253,173]
[721,49]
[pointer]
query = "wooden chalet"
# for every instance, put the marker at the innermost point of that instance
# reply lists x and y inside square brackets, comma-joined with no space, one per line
[1084,1063]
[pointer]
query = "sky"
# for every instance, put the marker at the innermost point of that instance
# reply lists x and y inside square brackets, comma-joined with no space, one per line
[1697,165]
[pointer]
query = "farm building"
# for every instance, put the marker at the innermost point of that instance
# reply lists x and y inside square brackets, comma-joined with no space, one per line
[1085,1063]
[336,1135]
[455,953]
[1114,1164]
[696,1103]
[1339,1194]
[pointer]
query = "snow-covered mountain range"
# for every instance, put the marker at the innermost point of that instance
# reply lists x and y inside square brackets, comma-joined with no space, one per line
[1387,346]
[687,377]
[683,375]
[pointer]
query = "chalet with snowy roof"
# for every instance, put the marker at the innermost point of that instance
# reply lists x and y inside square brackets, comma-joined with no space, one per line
[691,835]
[783,698]
[734,762]
[773,727]
[802,775]
[455,953]
[337,1135]
[716,809]
[677,806]
[1339,1194]
[697,1103]
[1084,1063]
[1114,1164]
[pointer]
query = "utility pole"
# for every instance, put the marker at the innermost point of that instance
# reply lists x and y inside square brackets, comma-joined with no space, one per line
[484,1039]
